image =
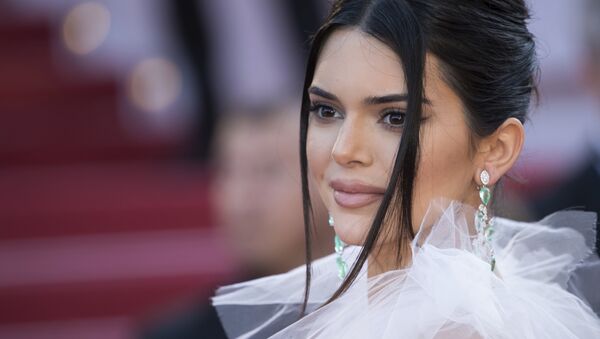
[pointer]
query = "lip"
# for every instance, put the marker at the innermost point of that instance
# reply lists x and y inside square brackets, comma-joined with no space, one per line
[355,194]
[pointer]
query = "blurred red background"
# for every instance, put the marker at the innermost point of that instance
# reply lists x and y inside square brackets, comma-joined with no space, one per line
[105,129]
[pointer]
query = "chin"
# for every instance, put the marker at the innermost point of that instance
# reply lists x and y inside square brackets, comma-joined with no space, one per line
[352,229]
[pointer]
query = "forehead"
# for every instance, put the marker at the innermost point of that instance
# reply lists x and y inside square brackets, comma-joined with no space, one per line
[352,61]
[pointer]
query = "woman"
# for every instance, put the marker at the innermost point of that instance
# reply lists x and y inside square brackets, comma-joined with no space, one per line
[413,111]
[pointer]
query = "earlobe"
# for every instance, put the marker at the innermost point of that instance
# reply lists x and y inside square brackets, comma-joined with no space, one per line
[505,146]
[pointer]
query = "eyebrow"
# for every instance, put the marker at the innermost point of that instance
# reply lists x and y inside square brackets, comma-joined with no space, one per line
[372,100]
[322,93]
[386,99]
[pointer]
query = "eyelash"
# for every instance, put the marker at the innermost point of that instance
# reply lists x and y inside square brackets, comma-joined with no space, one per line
[387,113]
[316,108]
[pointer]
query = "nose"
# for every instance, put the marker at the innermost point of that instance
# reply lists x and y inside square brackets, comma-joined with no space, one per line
[351,146]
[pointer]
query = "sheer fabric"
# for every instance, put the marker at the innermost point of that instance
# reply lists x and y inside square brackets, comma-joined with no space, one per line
[448,291]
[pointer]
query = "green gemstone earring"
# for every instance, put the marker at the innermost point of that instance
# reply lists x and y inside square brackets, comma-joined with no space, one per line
[484,224]
[339,246]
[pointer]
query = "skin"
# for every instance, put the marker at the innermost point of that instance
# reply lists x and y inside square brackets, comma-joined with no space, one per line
[350,139]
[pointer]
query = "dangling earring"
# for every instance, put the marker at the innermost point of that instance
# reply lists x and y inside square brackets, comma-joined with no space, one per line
[339,246]
[484,224]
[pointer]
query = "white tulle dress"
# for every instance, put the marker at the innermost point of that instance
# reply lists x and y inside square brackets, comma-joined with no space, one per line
[544,273]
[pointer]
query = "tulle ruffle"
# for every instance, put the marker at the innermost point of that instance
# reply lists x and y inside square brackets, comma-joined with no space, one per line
[544,273]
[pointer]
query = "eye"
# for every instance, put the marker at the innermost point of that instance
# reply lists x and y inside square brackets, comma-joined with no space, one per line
[325,112]
[394,119]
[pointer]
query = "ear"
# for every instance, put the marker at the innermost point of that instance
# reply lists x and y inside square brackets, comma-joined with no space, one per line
[498,152]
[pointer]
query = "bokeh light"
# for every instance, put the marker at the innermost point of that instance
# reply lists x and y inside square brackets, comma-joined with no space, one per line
[154,84]
[85,27]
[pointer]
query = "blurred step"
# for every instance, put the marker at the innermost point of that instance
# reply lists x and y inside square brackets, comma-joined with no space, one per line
[88,328]
[77,200]
[60,91]
[93,153]
[26,56]
[66,128]
[49,279]
[31,69]
[75,131]
[16,31]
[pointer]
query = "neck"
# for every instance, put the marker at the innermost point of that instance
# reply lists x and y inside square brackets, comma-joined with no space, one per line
[384,259]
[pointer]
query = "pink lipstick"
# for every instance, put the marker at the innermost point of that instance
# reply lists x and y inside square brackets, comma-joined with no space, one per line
[354,194]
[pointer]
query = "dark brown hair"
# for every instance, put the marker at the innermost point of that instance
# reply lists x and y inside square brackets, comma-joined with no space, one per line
[487,57]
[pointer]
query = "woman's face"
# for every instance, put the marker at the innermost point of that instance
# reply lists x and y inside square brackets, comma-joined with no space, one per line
[357,112]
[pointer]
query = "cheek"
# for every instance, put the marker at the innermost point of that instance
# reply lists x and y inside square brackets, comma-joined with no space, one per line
[319,144]
[385,154]
[445,168]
